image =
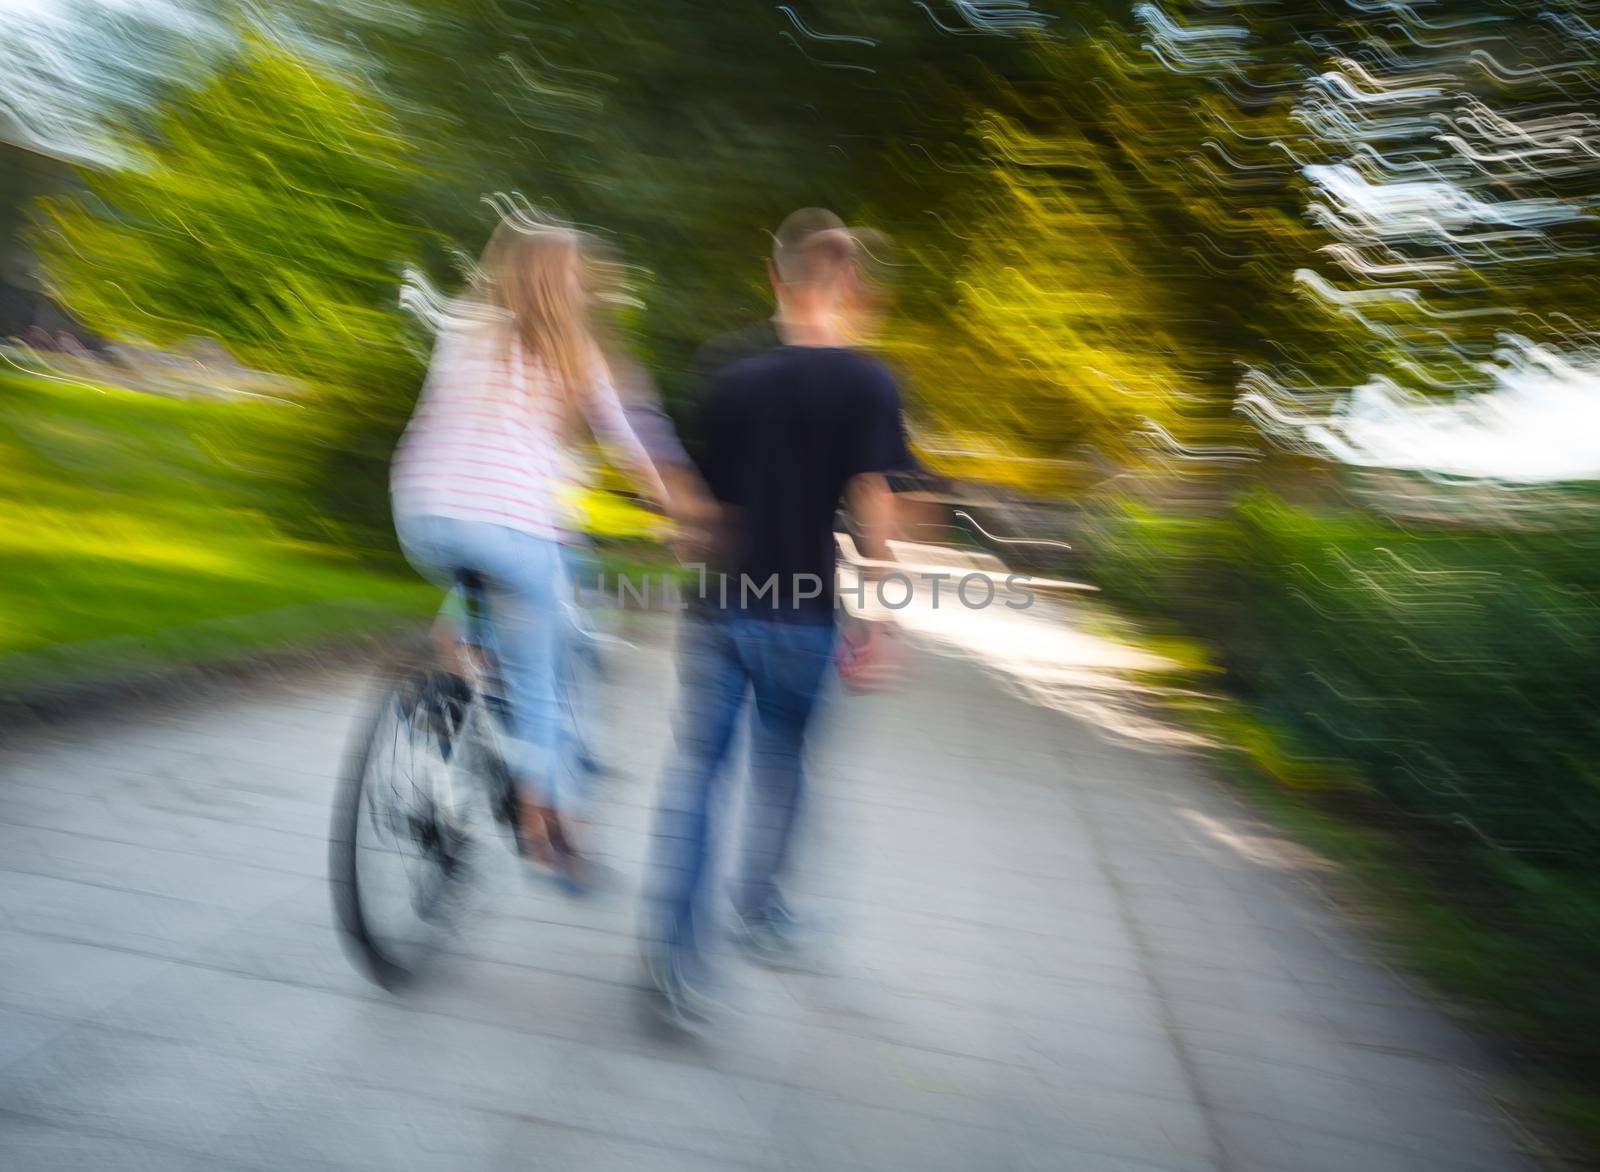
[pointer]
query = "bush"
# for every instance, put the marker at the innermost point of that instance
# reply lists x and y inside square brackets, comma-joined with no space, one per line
[1452,669]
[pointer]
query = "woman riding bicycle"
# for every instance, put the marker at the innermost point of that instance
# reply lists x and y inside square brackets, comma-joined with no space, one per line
[478,479]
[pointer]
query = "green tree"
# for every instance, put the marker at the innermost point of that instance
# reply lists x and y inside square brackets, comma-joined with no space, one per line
[686,132]
[1431,186]
[264,210]
[1107,285]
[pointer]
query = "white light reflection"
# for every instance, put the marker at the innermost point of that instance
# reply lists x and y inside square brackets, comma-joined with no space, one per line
[1044,653]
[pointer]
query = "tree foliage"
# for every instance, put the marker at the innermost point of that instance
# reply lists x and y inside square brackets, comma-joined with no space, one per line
[1111,214]
[264,209]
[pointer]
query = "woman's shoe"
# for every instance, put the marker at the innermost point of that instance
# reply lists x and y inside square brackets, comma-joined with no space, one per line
[533,833]
[571,867]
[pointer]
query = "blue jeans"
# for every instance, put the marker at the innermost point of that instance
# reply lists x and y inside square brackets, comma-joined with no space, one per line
[525,581]
[578,667]
[722,660]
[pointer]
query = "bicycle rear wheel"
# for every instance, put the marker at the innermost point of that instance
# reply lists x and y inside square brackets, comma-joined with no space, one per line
[397,851]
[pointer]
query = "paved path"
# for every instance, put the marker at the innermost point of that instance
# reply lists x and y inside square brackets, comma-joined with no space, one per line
[1051,951]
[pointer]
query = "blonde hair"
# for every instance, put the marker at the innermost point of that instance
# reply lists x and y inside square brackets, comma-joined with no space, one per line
[528,273]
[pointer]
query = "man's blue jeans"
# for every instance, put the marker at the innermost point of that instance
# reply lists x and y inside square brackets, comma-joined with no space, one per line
[722,661]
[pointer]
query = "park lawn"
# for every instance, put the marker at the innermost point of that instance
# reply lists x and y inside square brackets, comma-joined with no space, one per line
[138,531]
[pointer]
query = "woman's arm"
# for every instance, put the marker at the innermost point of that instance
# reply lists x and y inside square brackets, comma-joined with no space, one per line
[603,410]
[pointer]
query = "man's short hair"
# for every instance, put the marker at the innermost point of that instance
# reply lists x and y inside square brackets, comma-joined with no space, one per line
[795,230]
[821,258]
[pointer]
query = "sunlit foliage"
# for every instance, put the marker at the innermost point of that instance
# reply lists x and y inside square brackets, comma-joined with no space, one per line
[263,210]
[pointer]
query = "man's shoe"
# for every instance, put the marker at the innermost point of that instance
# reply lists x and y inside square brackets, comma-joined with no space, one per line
[680,1003]
[773,938]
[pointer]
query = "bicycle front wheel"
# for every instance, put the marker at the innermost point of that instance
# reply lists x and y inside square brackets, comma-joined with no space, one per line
[397,849]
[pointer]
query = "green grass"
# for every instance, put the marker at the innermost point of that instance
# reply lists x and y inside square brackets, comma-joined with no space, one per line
[138,531]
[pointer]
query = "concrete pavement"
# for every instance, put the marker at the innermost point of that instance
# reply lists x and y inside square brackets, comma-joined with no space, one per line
[1051,948]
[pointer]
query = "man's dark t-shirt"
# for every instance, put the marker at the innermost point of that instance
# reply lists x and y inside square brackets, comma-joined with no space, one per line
[762,337]
[782,434]
[724,350]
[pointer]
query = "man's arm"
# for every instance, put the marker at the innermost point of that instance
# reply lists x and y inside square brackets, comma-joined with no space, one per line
[873,659]
[877,450]
[872,508]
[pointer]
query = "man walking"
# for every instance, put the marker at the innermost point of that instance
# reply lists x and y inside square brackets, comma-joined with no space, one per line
[783,437]
[760,337]
[869,299]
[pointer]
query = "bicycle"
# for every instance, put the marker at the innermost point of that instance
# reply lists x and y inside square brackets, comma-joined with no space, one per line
[424,769]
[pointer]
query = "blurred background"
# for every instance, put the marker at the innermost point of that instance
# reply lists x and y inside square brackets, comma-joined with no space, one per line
[1280,315]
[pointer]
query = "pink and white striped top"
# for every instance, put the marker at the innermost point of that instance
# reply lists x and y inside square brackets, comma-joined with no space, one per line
[486,441]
